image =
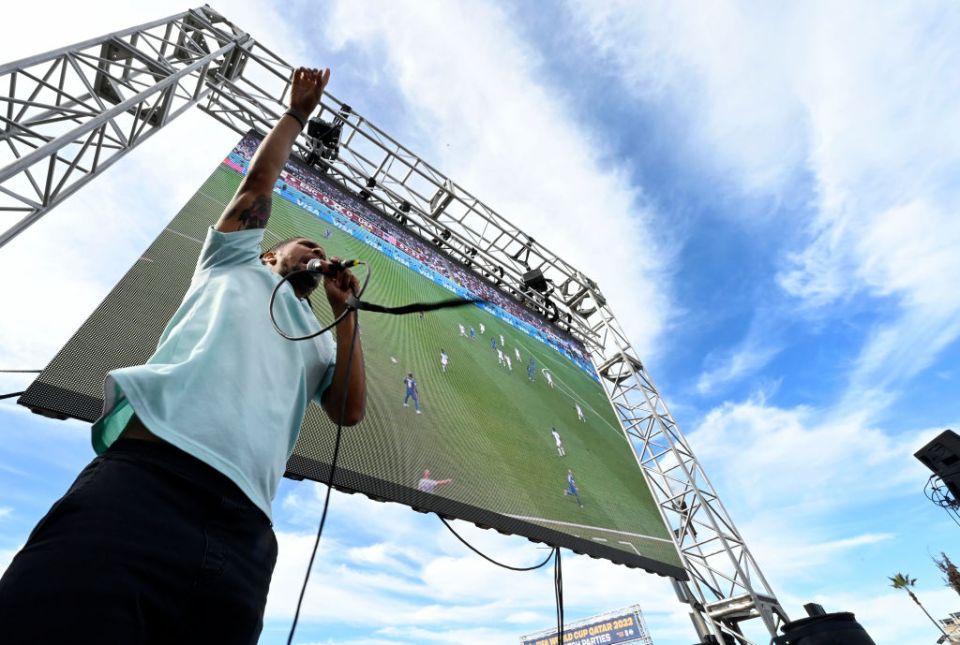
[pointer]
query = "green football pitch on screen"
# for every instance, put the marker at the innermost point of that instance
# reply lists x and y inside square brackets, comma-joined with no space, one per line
[490,391]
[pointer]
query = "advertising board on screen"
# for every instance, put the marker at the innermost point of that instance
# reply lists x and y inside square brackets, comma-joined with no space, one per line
[486,412]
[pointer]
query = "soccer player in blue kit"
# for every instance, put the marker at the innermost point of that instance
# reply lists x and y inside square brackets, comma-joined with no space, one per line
[411,384]
[572,488]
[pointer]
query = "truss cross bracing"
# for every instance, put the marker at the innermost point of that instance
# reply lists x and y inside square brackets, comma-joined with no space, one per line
[67,115]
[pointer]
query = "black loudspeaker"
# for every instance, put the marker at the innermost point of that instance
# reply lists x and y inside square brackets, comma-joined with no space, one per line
[827,629]
[942,456]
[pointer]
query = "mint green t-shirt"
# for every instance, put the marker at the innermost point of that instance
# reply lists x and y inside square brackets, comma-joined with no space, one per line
[222,385]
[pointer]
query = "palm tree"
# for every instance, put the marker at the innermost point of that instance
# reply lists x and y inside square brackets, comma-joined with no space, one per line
[950,571]
[901,581]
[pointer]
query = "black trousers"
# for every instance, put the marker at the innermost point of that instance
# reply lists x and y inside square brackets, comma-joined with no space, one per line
[149,545]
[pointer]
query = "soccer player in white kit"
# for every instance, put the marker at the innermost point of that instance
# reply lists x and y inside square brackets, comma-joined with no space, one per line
[509,363]
[482,328]
[500,357]
[546,375]
[444,359]
[579,412]
[556,437]
[516,352]
[463,330]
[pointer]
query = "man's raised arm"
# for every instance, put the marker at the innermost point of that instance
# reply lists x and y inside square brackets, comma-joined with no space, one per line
[250,206]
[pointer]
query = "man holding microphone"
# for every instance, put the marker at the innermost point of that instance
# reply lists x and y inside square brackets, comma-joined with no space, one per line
[166,536]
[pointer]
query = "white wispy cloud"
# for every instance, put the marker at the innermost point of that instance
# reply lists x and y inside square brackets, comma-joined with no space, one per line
[850,109]
[728,367]
[439,587]
[885,161]
[797,481]
[855,108]
[721,70]
[794,551]
[472,89]
[766,454]
[59,269]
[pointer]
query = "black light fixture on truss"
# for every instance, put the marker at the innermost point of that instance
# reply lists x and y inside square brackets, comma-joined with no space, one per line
[533,279]
[365,193]
[323,137]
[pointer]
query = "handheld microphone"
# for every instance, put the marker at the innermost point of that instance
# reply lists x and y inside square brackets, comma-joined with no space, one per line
[332,268]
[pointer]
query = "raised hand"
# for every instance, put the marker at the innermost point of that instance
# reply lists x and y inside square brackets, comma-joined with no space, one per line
[307,88]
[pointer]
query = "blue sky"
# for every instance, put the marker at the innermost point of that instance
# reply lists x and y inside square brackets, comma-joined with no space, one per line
[767,194]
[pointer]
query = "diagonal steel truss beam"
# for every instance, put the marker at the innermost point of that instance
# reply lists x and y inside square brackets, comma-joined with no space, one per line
[727,584]
[67,115]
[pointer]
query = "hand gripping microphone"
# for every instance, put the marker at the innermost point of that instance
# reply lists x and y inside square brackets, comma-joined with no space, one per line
[332,268]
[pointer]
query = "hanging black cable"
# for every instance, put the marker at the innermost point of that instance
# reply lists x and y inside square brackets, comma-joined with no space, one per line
[489,559]
[558,593]
[353,305]
[557,574]
[333,466]
[13,394]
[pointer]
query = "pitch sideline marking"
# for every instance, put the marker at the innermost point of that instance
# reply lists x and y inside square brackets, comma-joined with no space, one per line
[631,545]
[587,526]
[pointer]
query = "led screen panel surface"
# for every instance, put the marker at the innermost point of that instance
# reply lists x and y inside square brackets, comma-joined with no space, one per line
[486,413]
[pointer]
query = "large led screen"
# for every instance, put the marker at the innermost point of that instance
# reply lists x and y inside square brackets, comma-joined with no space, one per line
[507,406]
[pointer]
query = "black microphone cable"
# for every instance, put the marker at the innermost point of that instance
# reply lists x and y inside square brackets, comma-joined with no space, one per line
[336,321]
[10,395]
[557,574]
[333,463]
[354,302]
[554,553]
[489,559]
[558,593]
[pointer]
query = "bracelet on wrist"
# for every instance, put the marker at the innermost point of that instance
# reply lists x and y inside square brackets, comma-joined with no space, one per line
[302,121]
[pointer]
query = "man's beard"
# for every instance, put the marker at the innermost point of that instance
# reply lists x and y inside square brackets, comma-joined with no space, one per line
[303,282]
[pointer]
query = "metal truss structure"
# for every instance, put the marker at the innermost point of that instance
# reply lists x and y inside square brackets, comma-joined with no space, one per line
[67,115]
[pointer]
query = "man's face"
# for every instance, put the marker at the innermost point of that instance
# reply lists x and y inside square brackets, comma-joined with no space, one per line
[293,257]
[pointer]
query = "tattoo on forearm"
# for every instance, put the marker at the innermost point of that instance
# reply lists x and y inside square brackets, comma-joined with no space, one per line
[256,215]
